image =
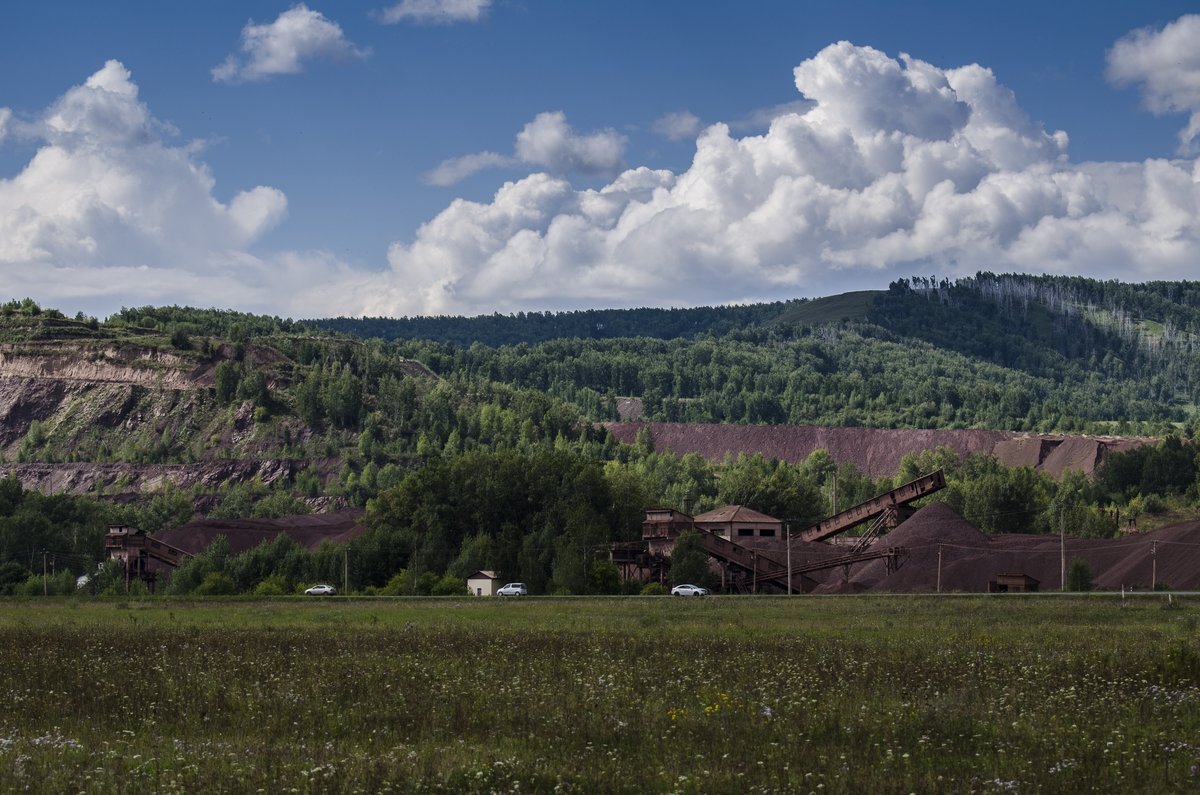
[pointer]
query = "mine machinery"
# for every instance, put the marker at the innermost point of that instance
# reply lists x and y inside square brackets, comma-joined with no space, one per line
[748,569]
[134,549]
[887,510]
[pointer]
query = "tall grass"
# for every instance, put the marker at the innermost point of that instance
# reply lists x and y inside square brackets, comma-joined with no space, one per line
[640,695]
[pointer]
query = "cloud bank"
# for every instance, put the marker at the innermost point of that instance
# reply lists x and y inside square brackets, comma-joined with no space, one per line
[886,167]
[283,46]
[891,166]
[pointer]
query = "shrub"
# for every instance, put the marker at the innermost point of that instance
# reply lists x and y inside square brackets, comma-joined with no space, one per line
[274,585]
[1154,504]
[399,585]
[450,586]
[216,583]
[1079,575]
[654,589]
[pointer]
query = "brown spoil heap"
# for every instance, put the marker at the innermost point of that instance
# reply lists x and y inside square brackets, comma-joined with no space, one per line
[936,523]
[876,451]
[243,534]
[970,559]
[1170,555]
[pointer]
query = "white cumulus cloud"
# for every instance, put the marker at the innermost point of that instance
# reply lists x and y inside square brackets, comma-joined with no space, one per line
[548,143]
[890,166]
[109,212]
[283,46]
[677,126]
[1166,64]
[435,12]
[456,169]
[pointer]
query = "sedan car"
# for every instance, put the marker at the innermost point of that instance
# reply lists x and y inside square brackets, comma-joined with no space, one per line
[321,590]
[513,589]
[688,590]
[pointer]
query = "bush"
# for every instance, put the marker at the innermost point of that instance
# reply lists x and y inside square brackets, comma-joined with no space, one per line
[1079,575]
[274,585]
[60,584]
[399,585]
[450,586]
[654,589]
[216,583]
[12,575]
[1154,504]
[425,583]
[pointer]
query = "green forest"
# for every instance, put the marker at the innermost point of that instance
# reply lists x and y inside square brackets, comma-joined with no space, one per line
[476,442]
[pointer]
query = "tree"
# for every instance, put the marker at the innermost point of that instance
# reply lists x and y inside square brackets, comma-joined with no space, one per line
[689,561]
[1079,575]
[216,583]
[12,574]
[227,376]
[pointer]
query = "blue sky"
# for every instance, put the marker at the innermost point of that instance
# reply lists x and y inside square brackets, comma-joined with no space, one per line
[467,156]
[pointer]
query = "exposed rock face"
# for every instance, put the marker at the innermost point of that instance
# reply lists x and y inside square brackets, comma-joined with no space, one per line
[149,367]
[79,401]
[90,400]
[877,451]
[129,480]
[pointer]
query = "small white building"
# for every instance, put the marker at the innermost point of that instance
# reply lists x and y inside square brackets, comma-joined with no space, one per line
[483,583]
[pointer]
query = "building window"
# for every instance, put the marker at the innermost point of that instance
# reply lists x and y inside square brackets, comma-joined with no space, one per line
[745,531]
[765,533]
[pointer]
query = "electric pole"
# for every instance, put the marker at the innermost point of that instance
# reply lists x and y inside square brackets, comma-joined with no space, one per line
[939,577]
[787,529]
[1062,548]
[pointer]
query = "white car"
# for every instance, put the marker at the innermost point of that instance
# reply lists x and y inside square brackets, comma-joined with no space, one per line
[513,589]
[321,590]
[688,590]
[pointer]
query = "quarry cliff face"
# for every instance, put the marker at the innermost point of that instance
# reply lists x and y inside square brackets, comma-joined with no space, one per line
[133,365]
[69,409]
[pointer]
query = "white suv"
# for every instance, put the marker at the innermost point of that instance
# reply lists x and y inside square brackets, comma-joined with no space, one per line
[513,589]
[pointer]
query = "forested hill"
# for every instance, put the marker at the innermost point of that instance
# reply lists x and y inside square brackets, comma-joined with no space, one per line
[1003,352]
[534,327]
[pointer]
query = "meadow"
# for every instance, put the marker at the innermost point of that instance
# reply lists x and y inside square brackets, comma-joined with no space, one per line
[712,695]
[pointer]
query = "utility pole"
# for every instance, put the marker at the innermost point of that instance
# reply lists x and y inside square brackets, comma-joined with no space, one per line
[1062,548]
[1153,564]
[939,579]
[787,529]
[45,587]
[345,570]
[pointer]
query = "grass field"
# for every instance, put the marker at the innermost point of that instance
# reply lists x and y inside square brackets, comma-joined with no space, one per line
[842,694]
